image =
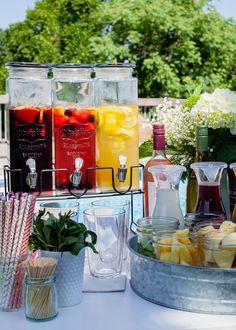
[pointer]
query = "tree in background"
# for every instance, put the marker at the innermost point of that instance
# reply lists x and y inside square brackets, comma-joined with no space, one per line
[176,44]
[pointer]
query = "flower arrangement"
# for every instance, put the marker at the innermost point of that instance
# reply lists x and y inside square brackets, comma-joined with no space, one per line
[215,110]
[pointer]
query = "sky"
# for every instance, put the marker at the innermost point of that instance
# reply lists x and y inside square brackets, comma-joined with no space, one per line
[13,11]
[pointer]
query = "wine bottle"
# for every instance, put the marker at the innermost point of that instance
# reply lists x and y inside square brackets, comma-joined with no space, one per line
[158,158]
[201,155]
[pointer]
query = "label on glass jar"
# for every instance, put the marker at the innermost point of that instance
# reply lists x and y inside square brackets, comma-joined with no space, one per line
[30,137]
[74,138]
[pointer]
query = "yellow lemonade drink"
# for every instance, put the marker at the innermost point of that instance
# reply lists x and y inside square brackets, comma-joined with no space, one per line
[117,134]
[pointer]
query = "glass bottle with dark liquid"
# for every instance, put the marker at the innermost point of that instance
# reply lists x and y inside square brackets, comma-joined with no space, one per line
[232,190]
[201,155]
[30,117]
[208,177]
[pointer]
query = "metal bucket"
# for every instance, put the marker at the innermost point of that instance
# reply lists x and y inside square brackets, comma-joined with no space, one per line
[193,289]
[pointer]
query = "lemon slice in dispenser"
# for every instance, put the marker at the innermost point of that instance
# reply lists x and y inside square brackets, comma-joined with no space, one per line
[129,117]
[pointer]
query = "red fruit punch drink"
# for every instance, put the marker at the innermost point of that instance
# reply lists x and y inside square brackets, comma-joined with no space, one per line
[30,137]
[209,199]
[74,135]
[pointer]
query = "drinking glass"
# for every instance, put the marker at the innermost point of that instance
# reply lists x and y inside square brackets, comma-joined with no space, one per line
[62,207]
[124,204]
[108,223]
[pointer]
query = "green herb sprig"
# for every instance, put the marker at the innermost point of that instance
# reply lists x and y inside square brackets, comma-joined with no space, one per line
[60,234]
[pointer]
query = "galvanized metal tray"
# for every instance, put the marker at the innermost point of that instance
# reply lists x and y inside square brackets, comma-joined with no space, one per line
[194,289]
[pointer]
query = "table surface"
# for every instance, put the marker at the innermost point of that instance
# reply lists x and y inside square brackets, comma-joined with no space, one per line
[119,311]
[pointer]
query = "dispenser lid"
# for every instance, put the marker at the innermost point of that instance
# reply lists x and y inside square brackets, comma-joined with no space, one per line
[72,66]
[115,65]
[27,65]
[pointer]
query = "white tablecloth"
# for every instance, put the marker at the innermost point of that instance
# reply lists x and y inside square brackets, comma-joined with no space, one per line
[119,311]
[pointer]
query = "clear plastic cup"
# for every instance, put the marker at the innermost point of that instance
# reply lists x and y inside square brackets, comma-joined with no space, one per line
[108,223]
[62,206]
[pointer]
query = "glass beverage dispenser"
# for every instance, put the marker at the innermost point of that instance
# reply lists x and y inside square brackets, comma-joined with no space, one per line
[74,125]
[117,126]
[30,113]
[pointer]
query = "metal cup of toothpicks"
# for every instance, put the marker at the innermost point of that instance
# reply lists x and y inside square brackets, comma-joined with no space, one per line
[40,295]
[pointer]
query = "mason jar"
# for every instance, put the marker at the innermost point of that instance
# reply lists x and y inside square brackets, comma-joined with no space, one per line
[41,298]
[218,249]
[30,120]
[177,247]
[149,227]
[117,126]
[74,125]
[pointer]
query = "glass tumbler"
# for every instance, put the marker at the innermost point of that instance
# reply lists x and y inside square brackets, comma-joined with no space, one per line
[108,223]
[124,204]
[62,207]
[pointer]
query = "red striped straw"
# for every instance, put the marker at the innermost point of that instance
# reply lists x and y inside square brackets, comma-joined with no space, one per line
[28,226]
[22,239]
[19,226]
[2,222]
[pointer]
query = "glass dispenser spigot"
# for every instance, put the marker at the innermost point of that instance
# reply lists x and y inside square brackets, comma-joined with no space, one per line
[32,176]
[76,176]
[122,170]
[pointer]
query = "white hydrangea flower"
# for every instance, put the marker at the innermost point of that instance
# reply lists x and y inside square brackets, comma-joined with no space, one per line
[214,110]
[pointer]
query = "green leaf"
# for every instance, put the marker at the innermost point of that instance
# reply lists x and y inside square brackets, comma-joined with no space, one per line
[70,240]
[60,234]
[146,149]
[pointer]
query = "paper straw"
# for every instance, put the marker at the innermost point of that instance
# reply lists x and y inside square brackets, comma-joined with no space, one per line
[16,203]
[16,247]
[8,227]
[10,210]
[3,216]
[28,215]
[8,284]
[19,226]
[28,227]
